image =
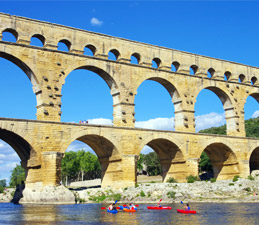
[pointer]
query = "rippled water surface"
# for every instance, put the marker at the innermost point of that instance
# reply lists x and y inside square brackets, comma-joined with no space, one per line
[207,213]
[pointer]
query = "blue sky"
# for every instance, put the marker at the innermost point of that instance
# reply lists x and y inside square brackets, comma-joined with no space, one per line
[227,30]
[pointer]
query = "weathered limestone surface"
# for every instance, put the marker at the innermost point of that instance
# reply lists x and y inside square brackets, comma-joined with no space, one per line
[42,143]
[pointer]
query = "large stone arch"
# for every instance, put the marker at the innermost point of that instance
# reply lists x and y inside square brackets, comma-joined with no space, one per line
[227,102]
[254,160]
[29,158]
[24,67]
[107,153]
[223,159]
[172,91]
[171,158]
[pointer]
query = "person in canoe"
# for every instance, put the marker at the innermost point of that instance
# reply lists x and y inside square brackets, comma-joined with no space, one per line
[112,207]
[159,204]
[132,206]
[187,207]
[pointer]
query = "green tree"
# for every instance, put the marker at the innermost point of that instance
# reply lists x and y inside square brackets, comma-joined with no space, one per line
[3,183]
[69,167]
[140,162]
[17,176]
[205,163]
[152,163]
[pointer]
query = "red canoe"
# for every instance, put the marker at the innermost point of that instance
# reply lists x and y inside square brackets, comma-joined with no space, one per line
[186,211]
[159,208]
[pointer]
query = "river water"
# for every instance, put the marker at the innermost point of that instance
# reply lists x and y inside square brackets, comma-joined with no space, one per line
[207,213]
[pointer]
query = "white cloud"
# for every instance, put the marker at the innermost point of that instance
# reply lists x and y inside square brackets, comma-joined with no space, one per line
[100,121]
[209,120]
[255,114]
[96,22]
[157,124]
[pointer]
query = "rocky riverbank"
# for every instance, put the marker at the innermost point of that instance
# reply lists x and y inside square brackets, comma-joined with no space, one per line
[241,190]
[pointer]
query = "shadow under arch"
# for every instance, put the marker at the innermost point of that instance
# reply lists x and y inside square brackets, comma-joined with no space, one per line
[25,68]
[108,157]
[171,159]
[224,161]
[254,160]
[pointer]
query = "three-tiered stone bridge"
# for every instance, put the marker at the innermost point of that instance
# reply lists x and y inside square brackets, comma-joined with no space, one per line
[41,143]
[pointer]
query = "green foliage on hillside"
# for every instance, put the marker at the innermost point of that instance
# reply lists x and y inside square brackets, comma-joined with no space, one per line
[251,127]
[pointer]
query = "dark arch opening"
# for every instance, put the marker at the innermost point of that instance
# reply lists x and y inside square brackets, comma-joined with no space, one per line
[254,160]
[223,160]
[175,66]
[210,73]
[253,81]
[113,55]
[227,75]
[95,102]
[135,58]
[37,40]
[89,50]
[241,78]
[156,63]
[193,69]
[9,35]
[64,45]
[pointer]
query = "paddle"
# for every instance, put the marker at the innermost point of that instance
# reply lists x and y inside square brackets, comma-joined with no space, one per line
[159,202]
[181,202]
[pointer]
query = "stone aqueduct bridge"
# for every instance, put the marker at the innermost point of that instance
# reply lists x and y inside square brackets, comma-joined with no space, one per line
[42,143]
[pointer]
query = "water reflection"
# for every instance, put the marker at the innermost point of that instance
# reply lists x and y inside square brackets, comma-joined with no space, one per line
[208,213]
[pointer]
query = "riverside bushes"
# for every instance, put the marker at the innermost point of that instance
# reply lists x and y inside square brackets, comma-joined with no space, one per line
[192,179]
[171,180]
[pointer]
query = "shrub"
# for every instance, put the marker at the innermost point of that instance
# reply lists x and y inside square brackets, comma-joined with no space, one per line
[231,184]
[171,180]
[192,179]
[248,189]
[235,178]
[212,180]
[136,185]
[116,197]
[171,194]
[250,177]
[1,189]
[142,194]
[98,198]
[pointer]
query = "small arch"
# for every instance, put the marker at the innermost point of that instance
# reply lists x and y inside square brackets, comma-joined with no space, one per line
[253,81]
[90,50]
[227,75]
[113,55]
[9,35]
[175,66]
[135,58]
[64,45]
[254,160]
[156,63]
[193,69]
[37,40]
[241,78]
[210,72]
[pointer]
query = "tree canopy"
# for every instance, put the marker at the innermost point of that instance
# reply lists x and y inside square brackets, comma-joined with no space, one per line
[17,176]
[79,166]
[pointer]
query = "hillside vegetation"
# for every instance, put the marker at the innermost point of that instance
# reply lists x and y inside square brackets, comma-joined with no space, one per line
[251,127]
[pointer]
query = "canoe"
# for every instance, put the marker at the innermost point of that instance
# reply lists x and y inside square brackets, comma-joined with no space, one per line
[112,211]
[186,211]
[159,208]
[129,210]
